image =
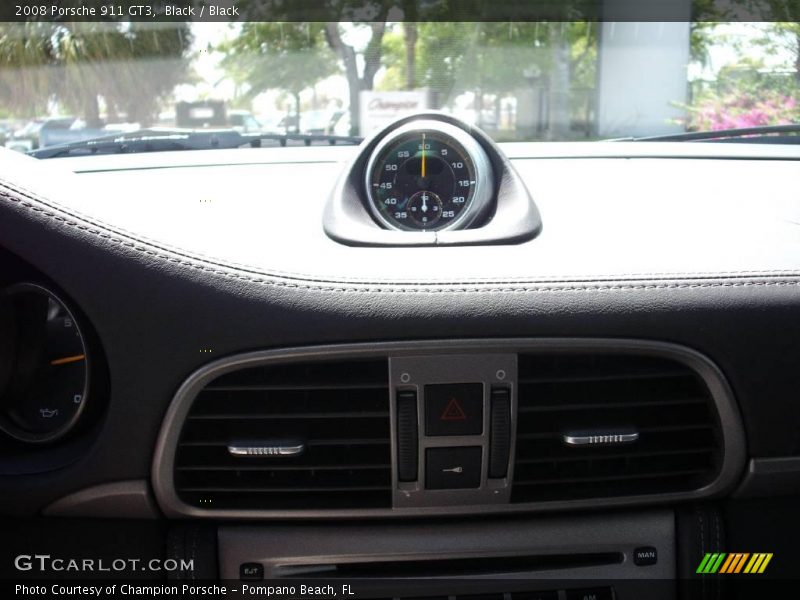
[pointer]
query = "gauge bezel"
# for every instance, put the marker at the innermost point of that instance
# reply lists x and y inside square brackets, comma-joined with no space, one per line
[6,425]
[484,175]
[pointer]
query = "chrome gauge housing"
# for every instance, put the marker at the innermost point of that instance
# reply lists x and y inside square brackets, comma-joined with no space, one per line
[428,175]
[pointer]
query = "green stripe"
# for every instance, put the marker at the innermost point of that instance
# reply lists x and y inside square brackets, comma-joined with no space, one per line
[718,564]
[710,563]
[702,566]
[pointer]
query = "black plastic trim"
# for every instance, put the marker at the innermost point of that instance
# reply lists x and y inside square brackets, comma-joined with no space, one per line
[767,477]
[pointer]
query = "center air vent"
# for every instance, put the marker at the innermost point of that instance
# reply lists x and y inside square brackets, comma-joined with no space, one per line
[308,433]
[636,425]
[290,436]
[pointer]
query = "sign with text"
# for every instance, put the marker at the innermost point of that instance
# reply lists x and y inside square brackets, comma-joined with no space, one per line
[379,109]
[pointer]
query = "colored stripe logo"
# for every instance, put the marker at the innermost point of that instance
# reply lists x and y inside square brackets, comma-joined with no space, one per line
[736,562]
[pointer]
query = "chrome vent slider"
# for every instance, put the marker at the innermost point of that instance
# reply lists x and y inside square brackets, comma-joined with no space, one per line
[267,448]
[599,438]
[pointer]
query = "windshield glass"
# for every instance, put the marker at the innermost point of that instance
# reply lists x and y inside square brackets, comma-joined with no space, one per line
[519,81]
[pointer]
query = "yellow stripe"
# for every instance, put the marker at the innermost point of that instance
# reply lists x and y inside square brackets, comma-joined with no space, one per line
[765,563]
[727,562]
[741,562]
[423,155]
[753,566]
[756,566]
[749,566]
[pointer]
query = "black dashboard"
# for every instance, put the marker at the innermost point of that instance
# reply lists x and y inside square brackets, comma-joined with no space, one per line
[246,358]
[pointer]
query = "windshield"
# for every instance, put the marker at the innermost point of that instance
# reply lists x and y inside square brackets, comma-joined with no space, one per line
[519,81]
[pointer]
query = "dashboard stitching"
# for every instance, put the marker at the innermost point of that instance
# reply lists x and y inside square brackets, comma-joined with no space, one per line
[424,287]
[652,276]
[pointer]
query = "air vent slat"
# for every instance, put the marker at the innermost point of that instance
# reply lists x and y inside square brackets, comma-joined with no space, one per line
[605,405]
[561,481]
[338,411]
[309,443]
[629,454]
[285,387]
[260,490]
[664,401]
[599,375]
[285,500]
[300,416]
[360,467]
[673,428]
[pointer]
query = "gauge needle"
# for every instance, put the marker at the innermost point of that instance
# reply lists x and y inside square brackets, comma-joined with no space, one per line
[68,359]
[423,155]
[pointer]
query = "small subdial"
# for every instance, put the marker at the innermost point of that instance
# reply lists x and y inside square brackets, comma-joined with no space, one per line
[425,209]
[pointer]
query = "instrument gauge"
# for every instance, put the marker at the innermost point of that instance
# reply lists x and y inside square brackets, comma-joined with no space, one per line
[428,176]
[44,365]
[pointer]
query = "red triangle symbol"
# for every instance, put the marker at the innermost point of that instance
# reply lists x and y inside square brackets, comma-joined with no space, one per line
[453,412]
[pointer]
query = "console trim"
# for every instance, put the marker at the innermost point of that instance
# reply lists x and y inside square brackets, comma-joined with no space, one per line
[734,451]
[317,549]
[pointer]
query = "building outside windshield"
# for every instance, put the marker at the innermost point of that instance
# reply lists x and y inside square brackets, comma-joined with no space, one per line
[519,81]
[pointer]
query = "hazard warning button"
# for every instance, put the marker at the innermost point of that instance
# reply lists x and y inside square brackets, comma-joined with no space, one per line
[454,409]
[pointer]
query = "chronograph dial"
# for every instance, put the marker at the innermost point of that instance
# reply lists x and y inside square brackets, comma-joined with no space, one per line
[428,176]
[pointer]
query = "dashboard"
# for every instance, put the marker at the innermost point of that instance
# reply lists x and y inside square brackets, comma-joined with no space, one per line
[564,362]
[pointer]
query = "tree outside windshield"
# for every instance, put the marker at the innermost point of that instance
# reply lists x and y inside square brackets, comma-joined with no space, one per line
[556,81]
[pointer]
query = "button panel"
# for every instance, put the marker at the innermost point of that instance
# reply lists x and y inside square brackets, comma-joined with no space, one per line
[465,415]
